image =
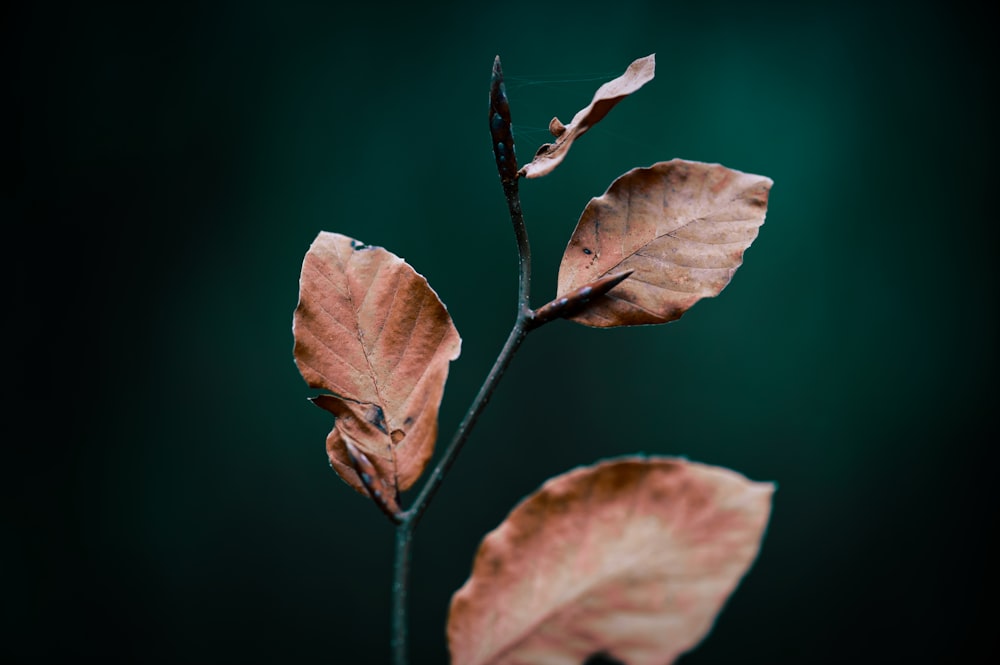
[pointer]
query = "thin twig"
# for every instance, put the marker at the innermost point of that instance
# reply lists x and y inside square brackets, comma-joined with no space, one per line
[514,339]
[400,586]
[410,518]
[503,149]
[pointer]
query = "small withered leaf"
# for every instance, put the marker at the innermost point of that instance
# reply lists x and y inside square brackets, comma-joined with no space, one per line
[681,227]
[550,155]
[373,333]
[632,558]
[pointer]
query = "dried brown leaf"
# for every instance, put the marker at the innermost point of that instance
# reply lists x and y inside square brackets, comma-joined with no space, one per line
[681,226]
[638,74]
[370,330]
[632,557]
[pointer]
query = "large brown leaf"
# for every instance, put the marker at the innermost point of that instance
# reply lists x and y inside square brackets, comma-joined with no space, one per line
[681,226]
[370,330]
[632,557]
[550,155]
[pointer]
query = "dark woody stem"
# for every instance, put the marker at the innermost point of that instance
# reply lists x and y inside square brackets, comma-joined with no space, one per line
[406,521]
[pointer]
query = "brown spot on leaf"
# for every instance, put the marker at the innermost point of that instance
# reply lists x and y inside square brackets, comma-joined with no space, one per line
[722,182]
[376,416]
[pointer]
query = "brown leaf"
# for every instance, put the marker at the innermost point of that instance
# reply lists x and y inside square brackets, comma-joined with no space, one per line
[681,226]
[632,557]
[638,74]
[370,330]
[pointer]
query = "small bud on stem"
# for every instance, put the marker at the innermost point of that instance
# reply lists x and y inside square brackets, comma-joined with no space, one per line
[370,478]
[572,303]
[503,140]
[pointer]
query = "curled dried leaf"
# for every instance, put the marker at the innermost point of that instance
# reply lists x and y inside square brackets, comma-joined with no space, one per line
[681,227]
[373,333]
[633,558]
[550,155]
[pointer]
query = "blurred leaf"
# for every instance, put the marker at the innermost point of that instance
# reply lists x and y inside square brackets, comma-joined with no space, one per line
[681,226]
[550,155]
[632,558]
[370,330]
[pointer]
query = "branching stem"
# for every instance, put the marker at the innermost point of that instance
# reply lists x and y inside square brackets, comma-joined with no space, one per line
[406,521]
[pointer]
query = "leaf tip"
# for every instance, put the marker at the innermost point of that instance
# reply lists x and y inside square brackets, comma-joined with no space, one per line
[556,128]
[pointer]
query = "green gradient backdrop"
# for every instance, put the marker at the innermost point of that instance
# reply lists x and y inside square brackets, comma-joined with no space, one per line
[170,496]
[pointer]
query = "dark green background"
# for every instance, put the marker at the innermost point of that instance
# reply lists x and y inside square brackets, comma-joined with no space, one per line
[170,499]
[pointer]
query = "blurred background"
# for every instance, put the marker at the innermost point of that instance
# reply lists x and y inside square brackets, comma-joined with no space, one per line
[169,498]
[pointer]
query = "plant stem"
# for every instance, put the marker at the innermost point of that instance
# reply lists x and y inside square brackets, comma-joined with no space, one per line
[514,339]
[400,585]
[410,518]
[523,253]
[406,521]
